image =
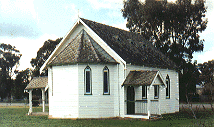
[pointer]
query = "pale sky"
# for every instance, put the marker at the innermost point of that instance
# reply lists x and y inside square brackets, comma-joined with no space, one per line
[27,24]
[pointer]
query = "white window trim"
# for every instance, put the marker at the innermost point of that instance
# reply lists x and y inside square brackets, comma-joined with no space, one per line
[85,70]
[156,97]
[168,86]
[145,92]
[105,69]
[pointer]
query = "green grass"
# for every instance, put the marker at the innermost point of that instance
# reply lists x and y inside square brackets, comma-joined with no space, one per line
[10,117]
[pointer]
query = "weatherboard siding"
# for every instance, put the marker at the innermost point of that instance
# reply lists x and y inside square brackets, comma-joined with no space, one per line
[122,90]
[64,100]
[166,105]
[97,105]
[50,98]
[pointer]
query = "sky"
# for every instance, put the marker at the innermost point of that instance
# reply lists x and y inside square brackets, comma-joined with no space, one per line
[27,24]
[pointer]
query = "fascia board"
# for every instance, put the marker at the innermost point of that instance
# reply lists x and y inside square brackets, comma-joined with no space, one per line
[162,78]
[158,73]
[59,45]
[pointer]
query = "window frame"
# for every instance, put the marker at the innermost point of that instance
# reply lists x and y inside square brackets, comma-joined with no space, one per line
[106,70]
[168,87]
[87,69]
[144,94]
[156,87]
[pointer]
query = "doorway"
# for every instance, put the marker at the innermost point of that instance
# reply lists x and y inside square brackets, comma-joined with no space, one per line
[130,100]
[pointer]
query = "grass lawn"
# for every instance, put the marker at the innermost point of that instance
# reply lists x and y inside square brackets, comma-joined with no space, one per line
[16,116]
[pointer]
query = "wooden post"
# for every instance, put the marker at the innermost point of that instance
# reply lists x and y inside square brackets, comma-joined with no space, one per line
[43,99]
[148,103]
[30,102]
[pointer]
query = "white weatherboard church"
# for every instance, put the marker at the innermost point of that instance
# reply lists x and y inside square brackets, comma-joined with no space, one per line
[99,71]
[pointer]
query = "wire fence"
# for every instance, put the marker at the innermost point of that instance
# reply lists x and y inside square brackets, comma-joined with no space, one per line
[20,102]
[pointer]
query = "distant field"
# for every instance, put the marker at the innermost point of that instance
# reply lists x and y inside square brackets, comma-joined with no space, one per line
[16,116]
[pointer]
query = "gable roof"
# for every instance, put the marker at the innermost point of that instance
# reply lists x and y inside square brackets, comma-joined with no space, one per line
[132,47]
[38,82]
[82,49]
[117,45]
[141,78]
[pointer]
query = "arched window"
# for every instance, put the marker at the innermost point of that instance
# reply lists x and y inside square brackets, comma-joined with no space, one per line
[106,89]
[87,73]
[144,92]
[156,91]
[168,87]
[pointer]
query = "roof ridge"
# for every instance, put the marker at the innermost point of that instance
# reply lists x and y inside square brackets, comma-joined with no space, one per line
[109,25]
[117,28]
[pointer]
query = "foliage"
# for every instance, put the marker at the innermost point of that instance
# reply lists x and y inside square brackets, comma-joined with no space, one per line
[188,80]
[207,79]
[21,81]
[43,54]
[9,59]
[172,27]
[17,117]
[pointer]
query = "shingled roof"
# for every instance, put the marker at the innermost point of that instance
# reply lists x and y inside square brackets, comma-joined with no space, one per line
[82,49]
[131,47]
[38,82]
[140,78]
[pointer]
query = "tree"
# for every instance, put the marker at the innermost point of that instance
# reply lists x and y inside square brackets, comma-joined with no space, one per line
[207,77]
[172,27]
[43,54]
[188,81]
[9,60]
[22,80]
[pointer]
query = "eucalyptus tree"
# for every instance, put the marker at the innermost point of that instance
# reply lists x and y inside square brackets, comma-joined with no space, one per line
[22,80]
[9,61]
[42,55]
[172,27]
[207,77]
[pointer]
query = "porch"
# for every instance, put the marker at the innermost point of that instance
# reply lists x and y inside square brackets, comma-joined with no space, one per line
[37,83]
[143,109]
[142,94]
[143,116]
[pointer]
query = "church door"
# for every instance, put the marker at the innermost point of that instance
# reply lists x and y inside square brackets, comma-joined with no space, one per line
[130,100]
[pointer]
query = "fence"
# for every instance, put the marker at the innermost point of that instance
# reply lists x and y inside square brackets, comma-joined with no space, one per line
[21,101]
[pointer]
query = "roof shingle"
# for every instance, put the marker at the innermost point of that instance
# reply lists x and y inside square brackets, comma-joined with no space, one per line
[82,49]
[38,82]
[131,47]
[140,78]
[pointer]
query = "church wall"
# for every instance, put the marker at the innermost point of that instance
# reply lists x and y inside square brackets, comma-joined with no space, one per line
[64,101]
[166,105]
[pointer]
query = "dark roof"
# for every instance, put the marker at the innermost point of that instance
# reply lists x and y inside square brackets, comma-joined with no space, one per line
[82,49]
[140,78]
[38,82]
[131,47]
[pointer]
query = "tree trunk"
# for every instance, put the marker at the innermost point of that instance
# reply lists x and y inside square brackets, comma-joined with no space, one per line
[190,105]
